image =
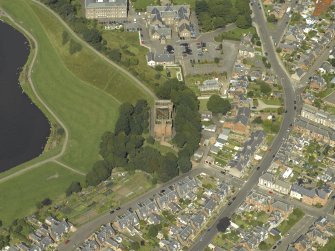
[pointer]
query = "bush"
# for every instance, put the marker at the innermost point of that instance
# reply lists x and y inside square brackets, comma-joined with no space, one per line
[65,37]
[74,47]
[151,140]
[258,120]
[159,67]
[74,187]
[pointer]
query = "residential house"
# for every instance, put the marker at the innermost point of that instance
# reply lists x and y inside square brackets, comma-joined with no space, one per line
[298,74]
[175,16]
[184,30]
[222,138]
[243,158]
[198,155]
[146,208]
[315,131]
[90,245]
[160,59]
[126,221]
[210,85]
[209,207]
[241,124]
[318,116]
[259,201]
[197,221]
[284,208]
[310,196]
[187,187]
[164,198]
[317,83]
[160,33]
[104,236]
[185,235]
[206,116]
[269,181]
[170,245]
[246,51]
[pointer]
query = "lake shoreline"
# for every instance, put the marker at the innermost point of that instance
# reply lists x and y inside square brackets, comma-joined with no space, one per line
[25,129]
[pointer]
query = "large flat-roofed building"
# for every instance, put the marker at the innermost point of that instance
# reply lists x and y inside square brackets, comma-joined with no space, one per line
[106,9]
[163,115]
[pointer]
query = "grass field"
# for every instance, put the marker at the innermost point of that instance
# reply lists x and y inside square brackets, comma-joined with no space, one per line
[141,5]
[128,44]
[234,34]
[20,195]
[190,2]
[83,90]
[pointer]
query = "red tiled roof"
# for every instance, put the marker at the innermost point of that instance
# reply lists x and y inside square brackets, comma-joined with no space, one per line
[321,7]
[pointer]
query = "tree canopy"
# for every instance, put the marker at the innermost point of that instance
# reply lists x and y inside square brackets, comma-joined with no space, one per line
[213,14]
[74,187]
[265,88]
[216,104]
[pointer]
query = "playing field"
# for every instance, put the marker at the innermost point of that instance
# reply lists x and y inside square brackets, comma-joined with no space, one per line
[83,90]
[18,197]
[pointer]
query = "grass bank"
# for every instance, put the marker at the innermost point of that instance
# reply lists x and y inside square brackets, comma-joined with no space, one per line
[83,90]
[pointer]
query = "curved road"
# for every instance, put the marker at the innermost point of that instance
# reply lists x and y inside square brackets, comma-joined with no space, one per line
[142,86]
[290,97]
[31,65]
[35,51]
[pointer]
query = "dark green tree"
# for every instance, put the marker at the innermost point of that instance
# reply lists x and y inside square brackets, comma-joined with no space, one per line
[184,164]
[216,104]
[75,187]
[65,37]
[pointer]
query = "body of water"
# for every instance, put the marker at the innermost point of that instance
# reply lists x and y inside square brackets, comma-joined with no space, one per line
[23,127]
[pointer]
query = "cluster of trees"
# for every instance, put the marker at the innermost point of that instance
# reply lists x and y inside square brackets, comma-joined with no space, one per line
[4,240]
[125,146]
[187,120]
[74,46]
[264,87]
[44,203]
[213,14]
[69,10]
[272,19]
[266,62]
[216,105]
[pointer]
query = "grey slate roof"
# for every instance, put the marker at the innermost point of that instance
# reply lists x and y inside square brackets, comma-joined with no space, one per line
[105,3]
[243,115]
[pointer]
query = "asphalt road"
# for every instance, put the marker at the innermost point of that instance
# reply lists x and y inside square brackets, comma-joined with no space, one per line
[282,24]
[290,97]
[86,230]
[295,232]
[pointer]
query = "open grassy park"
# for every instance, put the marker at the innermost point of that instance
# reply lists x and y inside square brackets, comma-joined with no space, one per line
[83,90]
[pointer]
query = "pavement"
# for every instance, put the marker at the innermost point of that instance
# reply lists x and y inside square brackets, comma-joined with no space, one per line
[86,230]
[295,232]
[282,24]
[318,62]
[288,119]
[262,106]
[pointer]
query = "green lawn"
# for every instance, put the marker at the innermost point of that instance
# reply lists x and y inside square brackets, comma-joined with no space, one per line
[234,34]
[83,90]
[128,44]
[272,101]
[203,105]
[19,196]
[190,2]
[141,5]
[293,218]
